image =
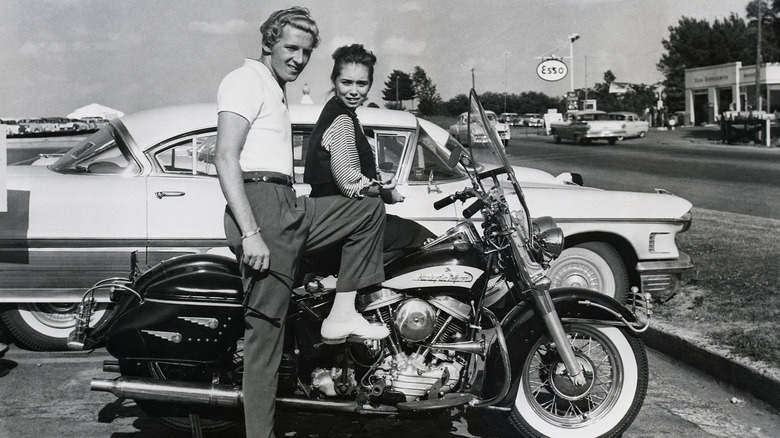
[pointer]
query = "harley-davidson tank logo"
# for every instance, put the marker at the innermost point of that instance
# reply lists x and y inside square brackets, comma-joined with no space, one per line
[436,276]
[448,275]
[211,323]
[168,336]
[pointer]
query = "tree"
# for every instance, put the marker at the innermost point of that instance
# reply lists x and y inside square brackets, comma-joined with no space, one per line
[697,43]
[770,28]
[398,87]
[636,98]
[429,100]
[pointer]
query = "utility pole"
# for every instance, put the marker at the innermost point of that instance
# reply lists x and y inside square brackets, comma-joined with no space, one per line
[586,77]
[505,56]
[397,102]
[758,59]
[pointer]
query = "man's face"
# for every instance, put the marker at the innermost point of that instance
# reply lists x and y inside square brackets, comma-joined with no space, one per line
[290,54]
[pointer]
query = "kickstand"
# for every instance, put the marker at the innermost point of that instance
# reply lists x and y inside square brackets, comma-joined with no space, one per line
[197,432]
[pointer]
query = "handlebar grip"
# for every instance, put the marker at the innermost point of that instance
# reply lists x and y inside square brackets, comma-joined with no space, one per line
[473,208]
[443,202]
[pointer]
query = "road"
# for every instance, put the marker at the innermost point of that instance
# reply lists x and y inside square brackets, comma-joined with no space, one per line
[46,395]
[738,179]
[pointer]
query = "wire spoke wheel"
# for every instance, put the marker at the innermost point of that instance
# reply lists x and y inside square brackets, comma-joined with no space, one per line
[615,369]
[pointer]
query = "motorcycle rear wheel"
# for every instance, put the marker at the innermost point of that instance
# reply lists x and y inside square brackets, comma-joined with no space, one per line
[616,370]
[177,416]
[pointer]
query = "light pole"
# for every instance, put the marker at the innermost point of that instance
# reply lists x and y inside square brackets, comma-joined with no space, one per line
[572,38]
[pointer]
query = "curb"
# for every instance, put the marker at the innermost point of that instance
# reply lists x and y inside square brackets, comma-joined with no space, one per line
[744,377]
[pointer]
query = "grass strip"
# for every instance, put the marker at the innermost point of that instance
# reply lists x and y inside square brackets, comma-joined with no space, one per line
[734,296]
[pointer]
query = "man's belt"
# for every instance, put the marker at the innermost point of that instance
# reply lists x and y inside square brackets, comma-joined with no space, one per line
[269,177]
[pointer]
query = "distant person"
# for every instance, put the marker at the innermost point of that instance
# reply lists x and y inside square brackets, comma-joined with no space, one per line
[266,225]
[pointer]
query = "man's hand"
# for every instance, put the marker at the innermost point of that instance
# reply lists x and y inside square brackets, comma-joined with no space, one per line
[256,254]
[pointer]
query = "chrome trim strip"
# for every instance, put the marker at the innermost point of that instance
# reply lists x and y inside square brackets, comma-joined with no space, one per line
[682,263]
[192,303]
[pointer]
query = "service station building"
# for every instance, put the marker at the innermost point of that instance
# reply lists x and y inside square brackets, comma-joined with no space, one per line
[710,91]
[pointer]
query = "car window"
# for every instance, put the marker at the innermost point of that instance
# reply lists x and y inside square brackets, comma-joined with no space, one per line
[100,153]
[192,155]
[430,158]
[388,149]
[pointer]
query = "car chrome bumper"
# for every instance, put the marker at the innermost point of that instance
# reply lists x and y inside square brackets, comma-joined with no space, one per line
[663,278]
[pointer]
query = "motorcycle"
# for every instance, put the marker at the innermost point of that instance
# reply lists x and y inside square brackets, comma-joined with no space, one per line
[473,322]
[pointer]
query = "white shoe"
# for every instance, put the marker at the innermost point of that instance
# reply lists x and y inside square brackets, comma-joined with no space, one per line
[337,330]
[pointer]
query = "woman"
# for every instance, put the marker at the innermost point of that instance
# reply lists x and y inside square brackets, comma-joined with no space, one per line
[340,162]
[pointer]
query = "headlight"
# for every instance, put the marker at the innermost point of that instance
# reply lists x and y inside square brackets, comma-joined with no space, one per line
[548,237]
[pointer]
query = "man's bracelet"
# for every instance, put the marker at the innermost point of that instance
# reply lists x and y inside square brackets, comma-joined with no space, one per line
[251,233]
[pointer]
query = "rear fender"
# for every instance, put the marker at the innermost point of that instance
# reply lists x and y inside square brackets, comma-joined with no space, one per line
[522,327]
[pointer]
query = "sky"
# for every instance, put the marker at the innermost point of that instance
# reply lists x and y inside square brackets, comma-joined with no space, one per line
[59,55]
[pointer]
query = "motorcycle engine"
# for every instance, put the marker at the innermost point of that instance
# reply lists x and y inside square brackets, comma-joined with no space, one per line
[417,370]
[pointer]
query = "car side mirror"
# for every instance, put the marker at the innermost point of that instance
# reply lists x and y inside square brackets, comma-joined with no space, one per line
[455,155]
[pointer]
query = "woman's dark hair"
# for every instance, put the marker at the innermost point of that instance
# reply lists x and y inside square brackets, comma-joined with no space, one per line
[296,17]
[354,54]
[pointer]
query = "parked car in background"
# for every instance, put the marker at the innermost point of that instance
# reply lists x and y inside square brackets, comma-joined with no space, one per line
[11,127]
[511,119]
[68,124]
[583,127]
[147,183]
[532,119]
[634,126]
[32,126]
[95,123]
[460,130]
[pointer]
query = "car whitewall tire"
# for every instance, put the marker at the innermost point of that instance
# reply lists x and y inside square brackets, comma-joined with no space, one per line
[591,265]
[46,326]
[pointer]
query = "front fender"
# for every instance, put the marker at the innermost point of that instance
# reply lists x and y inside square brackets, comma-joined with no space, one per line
[522,327]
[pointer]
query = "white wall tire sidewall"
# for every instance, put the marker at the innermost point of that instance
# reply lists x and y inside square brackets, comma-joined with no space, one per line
[58,331]
[609,421]
[575,258]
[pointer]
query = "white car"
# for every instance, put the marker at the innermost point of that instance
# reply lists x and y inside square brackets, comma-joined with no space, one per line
[460,130]
[635,126]
[146,183]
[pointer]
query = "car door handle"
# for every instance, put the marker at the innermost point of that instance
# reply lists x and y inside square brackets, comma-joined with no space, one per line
[161,195]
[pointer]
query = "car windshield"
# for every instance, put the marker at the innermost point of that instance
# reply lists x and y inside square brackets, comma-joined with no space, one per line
[100,153]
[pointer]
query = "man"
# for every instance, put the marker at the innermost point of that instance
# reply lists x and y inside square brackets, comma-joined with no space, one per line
[266,225]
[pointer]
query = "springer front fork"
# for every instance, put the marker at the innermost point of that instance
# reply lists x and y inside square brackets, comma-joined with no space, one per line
[554,326]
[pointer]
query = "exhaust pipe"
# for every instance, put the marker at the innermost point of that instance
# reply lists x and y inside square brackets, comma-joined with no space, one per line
[171,391]
[230,396]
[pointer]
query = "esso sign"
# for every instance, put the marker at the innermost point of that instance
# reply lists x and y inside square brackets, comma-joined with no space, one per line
[552,70]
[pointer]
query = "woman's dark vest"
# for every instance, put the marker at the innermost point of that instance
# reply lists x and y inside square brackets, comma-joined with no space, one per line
[317,171]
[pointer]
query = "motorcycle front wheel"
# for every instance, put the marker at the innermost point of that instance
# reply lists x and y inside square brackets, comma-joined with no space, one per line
[616,371]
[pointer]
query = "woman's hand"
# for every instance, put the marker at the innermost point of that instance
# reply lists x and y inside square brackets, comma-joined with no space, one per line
[391,196]
[387,180]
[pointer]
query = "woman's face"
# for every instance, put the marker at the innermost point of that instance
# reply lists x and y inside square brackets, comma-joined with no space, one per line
[352,85]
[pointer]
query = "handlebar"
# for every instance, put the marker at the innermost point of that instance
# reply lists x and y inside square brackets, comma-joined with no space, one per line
[458,196]
[472,209]
[441,203]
